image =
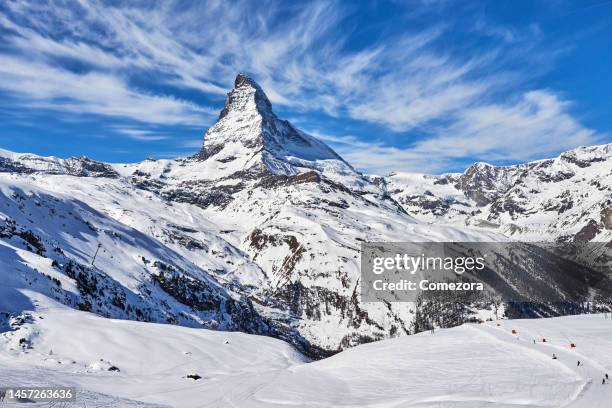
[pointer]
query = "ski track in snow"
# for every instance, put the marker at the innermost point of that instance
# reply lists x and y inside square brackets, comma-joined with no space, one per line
[590,370]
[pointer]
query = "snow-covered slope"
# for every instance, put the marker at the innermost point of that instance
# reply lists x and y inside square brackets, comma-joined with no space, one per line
[568,198]
[54,242]
[467,366]
[123,363]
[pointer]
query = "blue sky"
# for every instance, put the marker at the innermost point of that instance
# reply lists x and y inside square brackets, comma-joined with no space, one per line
[427,86]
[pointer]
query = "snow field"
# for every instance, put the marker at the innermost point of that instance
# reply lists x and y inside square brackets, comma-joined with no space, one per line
[472,365]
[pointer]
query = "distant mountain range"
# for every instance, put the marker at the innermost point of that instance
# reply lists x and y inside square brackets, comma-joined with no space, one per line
[567,199]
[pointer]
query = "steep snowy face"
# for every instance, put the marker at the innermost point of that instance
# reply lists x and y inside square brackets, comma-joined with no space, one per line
[53,241]
[248,136]
[246,96]
[246,113]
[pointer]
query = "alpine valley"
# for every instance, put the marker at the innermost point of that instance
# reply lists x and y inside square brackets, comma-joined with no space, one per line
[260,231]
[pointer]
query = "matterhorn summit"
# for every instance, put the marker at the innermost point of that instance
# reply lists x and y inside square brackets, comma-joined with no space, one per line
[249,137]
[246,96]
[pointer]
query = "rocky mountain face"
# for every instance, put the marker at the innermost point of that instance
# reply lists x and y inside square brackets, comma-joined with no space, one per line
[565,199]
[261,230]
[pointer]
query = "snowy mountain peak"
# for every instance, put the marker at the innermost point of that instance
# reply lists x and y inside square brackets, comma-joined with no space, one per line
[249,137]
[246,96]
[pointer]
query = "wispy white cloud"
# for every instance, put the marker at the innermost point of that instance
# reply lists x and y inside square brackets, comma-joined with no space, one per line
[293,51]
[191,144]
[402,81]
[42,86]
[537,125]
[375,157]
[140,134]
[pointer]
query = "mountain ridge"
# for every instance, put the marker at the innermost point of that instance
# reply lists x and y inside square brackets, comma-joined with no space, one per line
[565,198]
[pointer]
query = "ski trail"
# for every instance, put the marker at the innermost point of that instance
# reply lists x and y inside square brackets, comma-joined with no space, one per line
[587,394]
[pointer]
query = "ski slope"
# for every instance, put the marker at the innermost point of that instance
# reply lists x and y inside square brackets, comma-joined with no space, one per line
[468,366]
[74,348]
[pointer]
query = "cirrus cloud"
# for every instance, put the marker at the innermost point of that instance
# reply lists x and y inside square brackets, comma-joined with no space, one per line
[165,63]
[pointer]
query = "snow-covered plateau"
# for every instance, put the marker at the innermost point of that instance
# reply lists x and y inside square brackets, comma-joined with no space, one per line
[241,264]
